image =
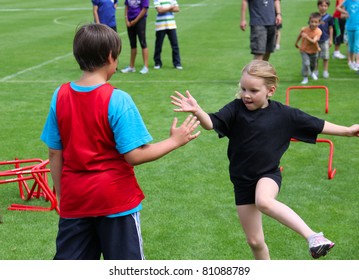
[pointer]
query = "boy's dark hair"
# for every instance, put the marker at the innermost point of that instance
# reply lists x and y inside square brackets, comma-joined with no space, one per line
[92,45]
[323,1]
[315,15]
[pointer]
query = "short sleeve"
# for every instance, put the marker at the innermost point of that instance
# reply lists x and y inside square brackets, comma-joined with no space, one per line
[126,122]
[51,134]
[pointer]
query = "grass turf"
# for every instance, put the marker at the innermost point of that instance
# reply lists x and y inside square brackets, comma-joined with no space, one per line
[188,211]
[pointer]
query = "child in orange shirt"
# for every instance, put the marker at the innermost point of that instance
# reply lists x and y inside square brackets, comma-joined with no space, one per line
[309,47]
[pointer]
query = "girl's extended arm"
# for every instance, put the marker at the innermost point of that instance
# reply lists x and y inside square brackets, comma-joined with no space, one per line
[179,136]
[334,129]
[189,104]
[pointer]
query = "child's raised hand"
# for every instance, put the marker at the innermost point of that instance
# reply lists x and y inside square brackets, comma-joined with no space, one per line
[185,104]
[185,132]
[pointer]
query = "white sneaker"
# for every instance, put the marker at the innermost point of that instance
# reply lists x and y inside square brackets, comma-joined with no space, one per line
[339,55]
[319,246]
[316,73]
[179,67]
[277,47]
[128,69]
[353,66]
[325,74]
[157,67]
[314,77]
[305,81]
[144,70]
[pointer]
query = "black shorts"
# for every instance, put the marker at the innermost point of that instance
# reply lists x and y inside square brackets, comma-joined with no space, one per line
[245,193]
[88,238]
[139,30]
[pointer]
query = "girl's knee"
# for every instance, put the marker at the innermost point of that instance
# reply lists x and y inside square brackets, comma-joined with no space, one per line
[264,204]
[256,244]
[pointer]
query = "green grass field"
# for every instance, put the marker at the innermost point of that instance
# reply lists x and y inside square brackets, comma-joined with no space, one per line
[189,210]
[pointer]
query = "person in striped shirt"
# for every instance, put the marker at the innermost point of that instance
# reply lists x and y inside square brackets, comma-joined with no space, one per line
[166,25]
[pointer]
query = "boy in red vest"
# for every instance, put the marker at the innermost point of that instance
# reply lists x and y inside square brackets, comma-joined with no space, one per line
[95,135]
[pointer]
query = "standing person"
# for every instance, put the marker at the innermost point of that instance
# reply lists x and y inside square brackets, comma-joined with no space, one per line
[350,8]
[135,17]
[104,11]
[265,16]
[95,135]
[166,25]
[338,32]
[309,48]
[326,40]
[259,132]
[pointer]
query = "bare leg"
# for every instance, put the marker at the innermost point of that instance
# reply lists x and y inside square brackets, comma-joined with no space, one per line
[251,221]
[265,56]
[325,64]
[266,202]
[133,57]
[145,56]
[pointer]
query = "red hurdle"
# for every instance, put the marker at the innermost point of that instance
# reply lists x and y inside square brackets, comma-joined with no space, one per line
[309,87]
[30,170]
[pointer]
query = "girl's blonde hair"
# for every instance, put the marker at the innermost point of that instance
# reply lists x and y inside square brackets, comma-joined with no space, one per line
[262,69]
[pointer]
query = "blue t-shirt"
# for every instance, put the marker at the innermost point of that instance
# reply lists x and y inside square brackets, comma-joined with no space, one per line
[106,11]
[326,22]
[352,7]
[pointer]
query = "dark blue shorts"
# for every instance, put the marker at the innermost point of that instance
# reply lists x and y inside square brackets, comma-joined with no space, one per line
[88,238]
[245,193]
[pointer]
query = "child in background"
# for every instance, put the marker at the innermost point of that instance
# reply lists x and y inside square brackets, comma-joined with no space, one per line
[326,40]
[166,25]
[309,48]
[136,18]
[259,132]
[350,8]
[104,11]
[338,31]
[95,136]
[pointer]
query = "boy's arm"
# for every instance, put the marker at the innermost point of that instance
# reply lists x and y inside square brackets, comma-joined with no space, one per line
[243,22]
[171,8]
[298,39]
[56,161]
[189,104]
[95,14]
[179,136]
[278,16]
[330,35]
[339,130]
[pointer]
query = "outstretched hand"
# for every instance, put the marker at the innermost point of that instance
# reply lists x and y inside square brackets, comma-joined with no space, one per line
[184,133]
[185,104]
[354,130]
